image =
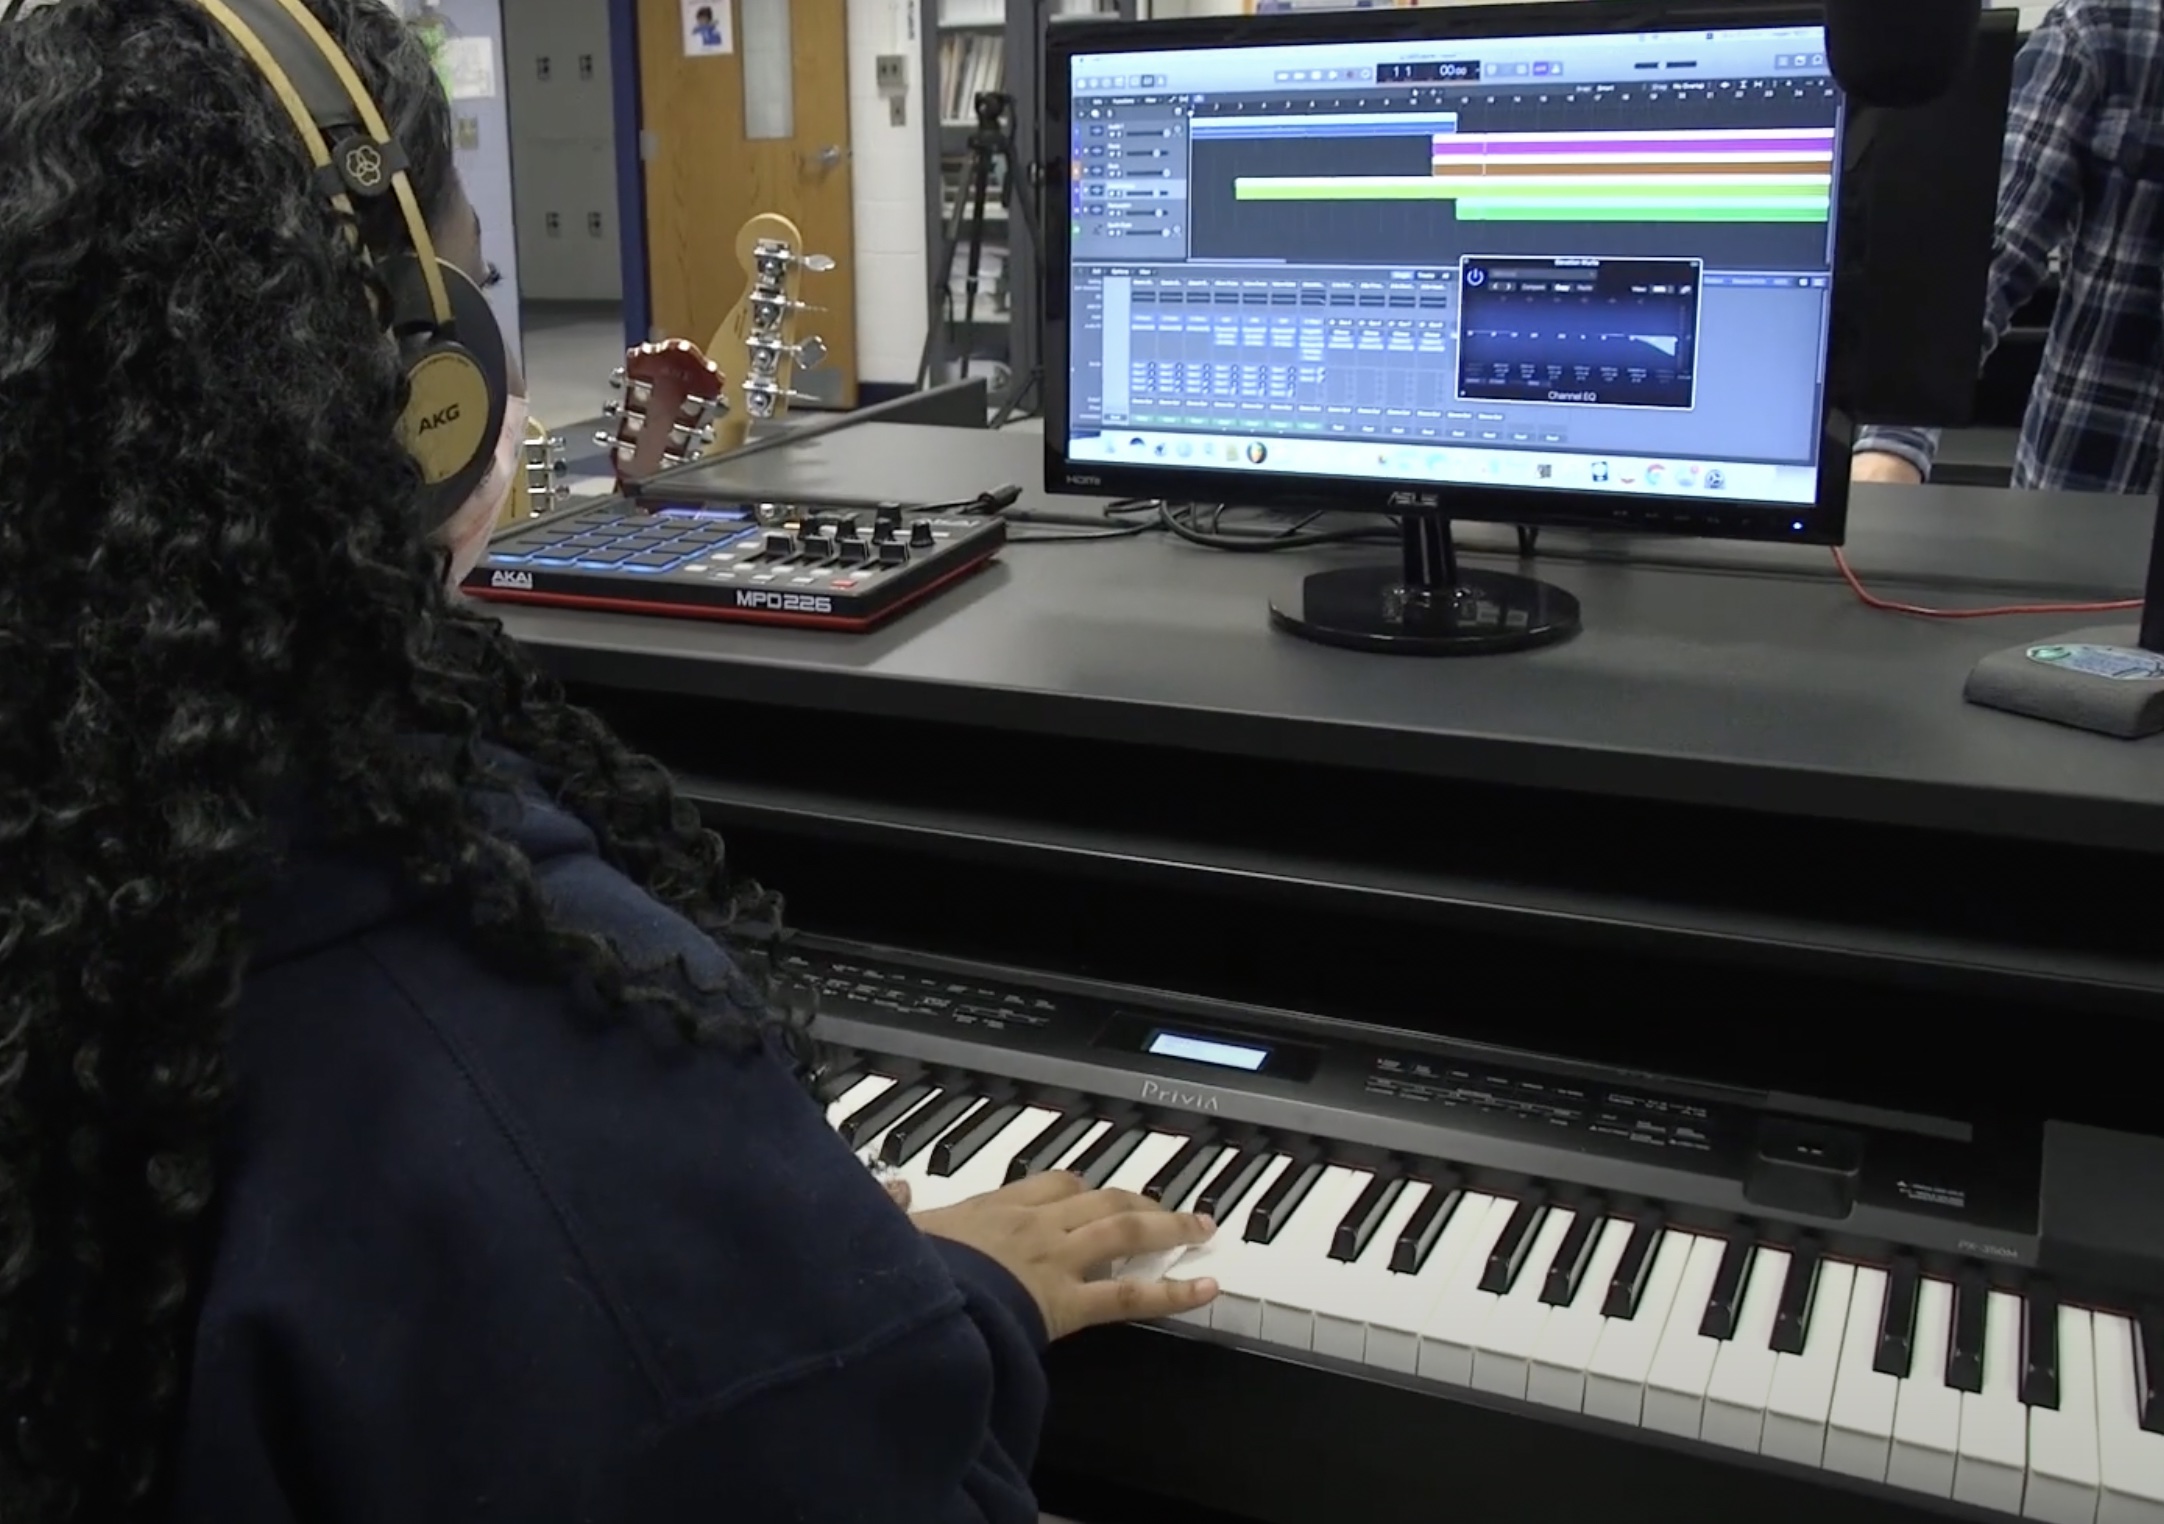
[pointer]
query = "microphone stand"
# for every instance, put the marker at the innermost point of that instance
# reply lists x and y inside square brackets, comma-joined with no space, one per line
[2107,679]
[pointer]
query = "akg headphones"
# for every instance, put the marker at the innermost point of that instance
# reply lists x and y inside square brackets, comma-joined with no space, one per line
[447,338]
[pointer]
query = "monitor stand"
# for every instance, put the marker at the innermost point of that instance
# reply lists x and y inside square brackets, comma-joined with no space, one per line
[1428,606]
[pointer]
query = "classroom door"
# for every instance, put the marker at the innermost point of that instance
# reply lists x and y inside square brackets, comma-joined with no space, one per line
[714,158]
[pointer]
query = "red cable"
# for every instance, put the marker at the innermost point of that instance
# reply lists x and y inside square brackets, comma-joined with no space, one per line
[1889,606]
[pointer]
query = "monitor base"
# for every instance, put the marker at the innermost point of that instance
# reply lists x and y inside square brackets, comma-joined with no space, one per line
[1427,606]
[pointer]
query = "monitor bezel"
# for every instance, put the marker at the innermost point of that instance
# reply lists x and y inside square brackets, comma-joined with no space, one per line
[1821,522]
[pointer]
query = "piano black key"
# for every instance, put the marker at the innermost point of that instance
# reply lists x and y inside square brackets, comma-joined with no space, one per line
[1186,1170]
[1053,1144]
[2040,1347]
[1108,1153]
[1573,1255]
[926,1127]
[1282,1199]
[1358,1226]
[1897,1321]
[1417,1242]
[968,1136]
[2149,1370]
[1792,1317]
[1719,1319]
[869,1121]
[1233,1180]
[1629,1281]
[1507,1258]
[838,1083]
[1965,1350]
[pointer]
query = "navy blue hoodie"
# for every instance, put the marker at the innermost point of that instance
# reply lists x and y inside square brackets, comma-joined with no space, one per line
[482,1253]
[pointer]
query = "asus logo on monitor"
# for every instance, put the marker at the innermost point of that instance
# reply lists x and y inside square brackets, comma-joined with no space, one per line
[1416,500]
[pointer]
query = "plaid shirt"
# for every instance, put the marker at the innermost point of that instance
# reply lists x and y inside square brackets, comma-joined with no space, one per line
[2083,178]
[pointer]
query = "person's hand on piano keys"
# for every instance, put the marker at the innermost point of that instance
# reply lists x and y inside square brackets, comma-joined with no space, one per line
[1058,1237]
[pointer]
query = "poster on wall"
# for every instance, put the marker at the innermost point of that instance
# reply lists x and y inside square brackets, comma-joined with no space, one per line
[707,26]
[468,67]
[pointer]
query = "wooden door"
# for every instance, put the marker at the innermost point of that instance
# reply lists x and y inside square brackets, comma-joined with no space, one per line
[706,174]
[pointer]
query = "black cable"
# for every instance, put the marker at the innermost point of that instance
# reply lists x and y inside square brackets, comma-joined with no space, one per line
[1170,519]
[1528,539]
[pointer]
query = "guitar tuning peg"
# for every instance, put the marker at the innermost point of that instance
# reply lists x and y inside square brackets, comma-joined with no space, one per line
[612,409]
[617,378]
[605,438]
[809,352]
[705,436]
[818,264]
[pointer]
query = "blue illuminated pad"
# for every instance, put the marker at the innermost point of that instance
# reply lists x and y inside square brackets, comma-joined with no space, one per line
[608,538]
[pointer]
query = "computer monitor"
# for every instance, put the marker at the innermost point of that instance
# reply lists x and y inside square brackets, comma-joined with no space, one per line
[1566,264]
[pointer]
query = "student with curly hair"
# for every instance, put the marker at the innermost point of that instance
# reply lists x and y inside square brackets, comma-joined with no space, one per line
[393,1123]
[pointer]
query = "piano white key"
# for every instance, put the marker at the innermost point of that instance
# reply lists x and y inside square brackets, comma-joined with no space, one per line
[1615,1383]
[1224,1258]
[2063,1481]
[1993,1453]
[1503,1354]
[1295,1270]
[859,1095]
[1742,1379]
[1927,1412]
[1341,1328]
[1401,1309]
[1152,1154]
[1564,1350]
[1860,1424]
[1801,1401]
[2130,1459]
[1446,1336]
[1676,1385]
[985,1170]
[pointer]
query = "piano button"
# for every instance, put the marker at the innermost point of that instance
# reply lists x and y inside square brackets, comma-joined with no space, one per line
[1742,1379]
[1417,1240]
[1567,1339]
[2149,1369]
[972,1133]
[1615,1383]
[1629,1281]
[1503,1354]
[1184,1173]
[863,1128]
[1993,1453]
[1341,1329]
[1965,1353]
[1453,1325]
[1055,1143]
[1294,1275]
[1560,1286]
[2040,1347]
[1676,1385]
[1278,1205]
[1800,1403]
[1859,1426]
[1238,1310]
[1230,1185]
[1793,1317]
[1365,1215]
[1895,1350]
[1107,1154]
[1718,1321]
[1507,1258]
[2064,1443]
[925,1126]
[1927,1412]
[984,1168]
[2130,1459]
[1404,1302]
[857,1097]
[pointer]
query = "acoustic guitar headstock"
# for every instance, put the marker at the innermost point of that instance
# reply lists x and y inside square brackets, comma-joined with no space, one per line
[539,486]
[672,395]
[757,340]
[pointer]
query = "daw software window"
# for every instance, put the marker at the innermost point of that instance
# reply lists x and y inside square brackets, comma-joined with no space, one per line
[1592,262]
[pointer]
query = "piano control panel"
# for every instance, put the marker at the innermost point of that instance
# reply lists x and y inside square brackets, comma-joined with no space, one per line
[1937,1185]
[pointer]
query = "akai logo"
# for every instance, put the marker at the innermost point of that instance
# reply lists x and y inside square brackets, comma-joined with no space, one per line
[439,419]
[522,581]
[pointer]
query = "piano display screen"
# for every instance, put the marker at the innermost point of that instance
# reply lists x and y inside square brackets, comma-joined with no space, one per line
[1208,1050]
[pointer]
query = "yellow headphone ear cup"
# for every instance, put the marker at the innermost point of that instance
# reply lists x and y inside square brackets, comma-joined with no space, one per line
[447,421]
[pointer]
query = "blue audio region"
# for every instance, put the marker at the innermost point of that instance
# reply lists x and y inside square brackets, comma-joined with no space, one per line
[642,544]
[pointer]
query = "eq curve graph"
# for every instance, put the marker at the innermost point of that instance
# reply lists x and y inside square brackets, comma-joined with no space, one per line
[1743,175]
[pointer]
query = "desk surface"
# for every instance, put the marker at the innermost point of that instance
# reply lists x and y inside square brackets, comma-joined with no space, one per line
[1725,675]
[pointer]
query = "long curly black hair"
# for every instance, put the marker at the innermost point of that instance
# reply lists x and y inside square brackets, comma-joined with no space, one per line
[218,601]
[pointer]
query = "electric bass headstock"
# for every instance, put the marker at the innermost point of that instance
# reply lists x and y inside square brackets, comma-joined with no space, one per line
[757,340]
[672,396]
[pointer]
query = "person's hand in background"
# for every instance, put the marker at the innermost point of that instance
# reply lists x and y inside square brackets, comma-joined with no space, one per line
[1879,466]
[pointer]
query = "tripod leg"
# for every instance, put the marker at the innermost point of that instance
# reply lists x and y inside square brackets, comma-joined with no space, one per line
[980,176]
[939,298]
